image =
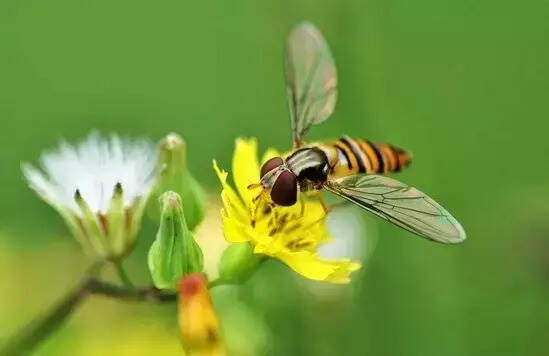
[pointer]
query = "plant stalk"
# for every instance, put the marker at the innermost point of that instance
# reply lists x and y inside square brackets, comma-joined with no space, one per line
[39,329]
[124,278]
[150,294]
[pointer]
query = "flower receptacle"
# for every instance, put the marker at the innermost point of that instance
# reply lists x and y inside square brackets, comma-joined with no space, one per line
[238,263]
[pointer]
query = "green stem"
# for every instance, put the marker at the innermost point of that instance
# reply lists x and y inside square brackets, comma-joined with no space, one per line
[151,294]
[38,330]
[123,275]
[217,282]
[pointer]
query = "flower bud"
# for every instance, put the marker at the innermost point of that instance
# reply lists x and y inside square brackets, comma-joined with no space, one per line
[238,263]
[174,253]
[176,177]
[198,323]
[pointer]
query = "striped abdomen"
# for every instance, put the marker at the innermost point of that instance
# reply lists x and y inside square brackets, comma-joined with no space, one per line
[349,156]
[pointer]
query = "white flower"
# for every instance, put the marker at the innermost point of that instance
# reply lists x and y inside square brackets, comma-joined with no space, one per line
[100,187]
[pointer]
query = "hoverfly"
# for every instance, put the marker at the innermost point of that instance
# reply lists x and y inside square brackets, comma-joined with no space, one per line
[347,167]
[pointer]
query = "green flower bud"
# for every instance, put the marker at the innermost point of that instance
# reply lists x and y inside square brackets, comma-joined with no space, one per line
[174,253]
[176,177]
[238,263]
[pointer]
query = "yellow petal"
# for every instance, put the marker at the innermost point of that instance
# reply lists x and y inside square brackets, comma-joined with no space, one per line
[233,230]
[231,202]
[311,266]
[269,248]
[246,168]
[314,211]
[342,275]
[270,153]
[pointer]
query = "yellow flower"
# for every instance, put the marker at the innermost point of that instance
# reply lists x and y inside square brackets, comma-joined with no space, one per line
[290,234]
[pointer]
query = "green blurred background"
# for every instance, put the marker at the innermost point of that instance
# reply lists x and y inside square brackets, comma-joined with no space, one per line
[464,85]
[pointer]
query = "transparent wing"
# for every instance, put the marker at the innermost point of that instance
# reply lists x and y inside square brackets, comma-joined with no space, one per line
[400,204]
[311,79]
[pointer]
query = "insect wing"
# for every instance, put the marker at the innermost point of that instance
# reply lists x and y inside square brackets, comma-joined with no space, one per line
[311,79]
[400,204]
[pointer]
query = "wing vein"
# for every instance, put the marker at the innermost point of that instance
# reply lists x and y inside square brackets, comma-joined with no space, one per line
[417,213]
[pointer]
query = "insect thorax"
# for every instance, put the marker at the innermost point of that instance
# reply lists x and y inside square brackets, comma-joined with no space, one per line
[310,165]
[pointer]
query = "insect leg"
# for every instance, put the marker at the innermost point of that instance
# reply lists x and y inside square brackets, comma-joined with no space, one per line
[255,202]
[302,201]
[324,205]
[335,205]
[338,205]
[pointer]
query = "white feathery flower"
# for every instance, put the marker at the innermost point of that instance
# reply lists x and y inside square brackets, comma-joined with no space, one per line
[100,187]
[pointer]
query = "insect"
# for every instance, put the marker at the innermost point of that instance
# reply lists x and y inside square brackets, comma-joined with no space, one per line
[350,168]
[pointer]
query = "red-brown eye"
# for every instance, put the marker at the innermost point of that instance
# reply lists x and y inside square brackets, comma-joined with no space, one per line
[284,191]
[270,165]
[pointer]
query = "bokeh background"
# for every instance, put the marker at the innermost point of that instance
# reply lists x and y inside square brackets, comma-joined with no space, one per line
[463,84]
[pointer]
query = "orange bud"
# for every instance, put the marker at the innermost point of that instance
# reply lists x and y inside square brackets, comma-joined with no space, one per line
[198,322]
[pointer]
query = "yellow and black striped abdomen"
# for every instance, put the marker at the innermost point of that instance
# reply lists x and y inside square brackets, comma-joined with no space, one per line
[349,156]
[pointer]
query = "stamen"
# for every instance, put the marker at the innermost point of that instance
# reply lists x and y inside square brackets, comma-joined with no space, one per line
[293,228]
[303,245]
[298,243]
[255,216]
[292,244]
[103,223]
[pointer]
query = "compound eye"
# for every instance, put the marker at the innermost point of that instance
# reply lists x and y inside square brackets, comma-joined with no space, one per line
[284,191]
[270,165]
